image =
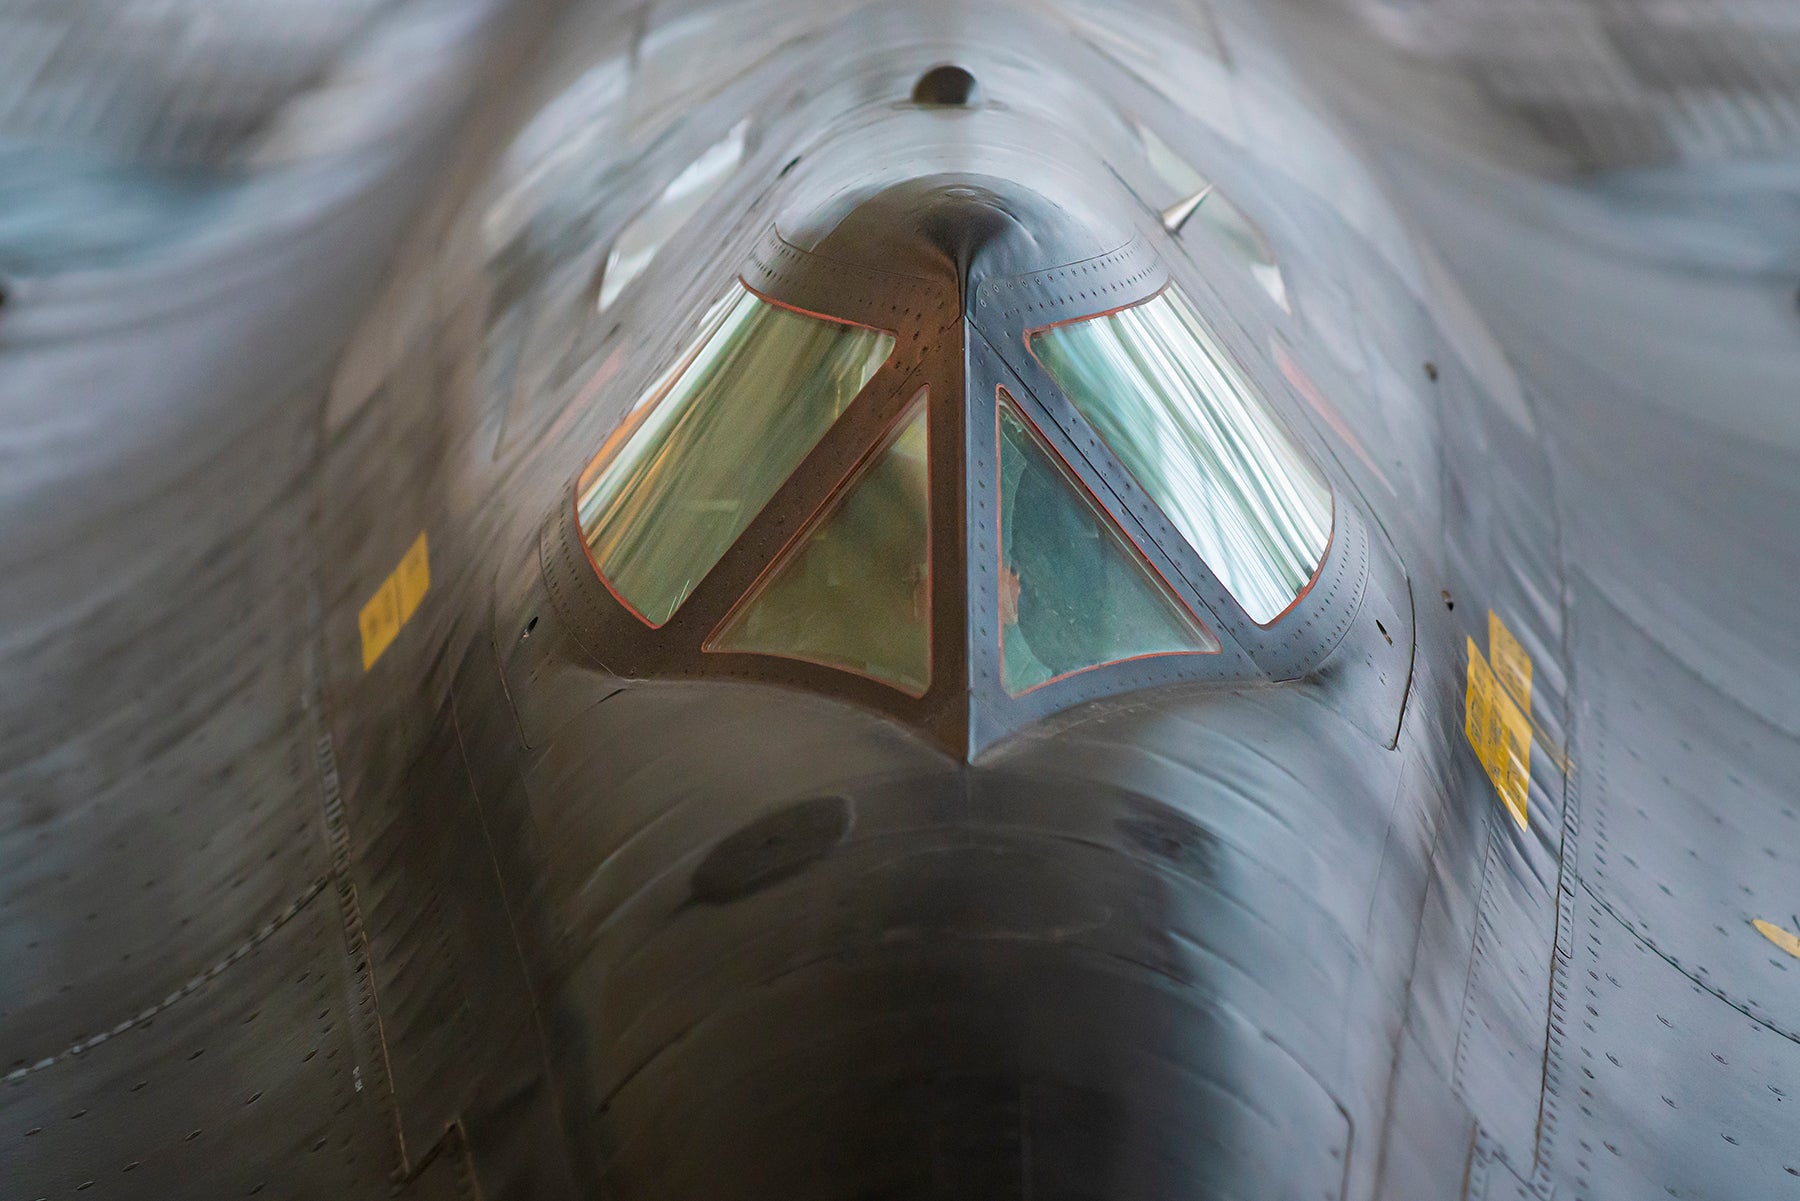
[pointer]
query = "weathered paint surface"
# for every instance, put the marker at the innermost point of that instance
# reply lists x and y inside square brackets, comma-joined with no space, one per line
[333,868]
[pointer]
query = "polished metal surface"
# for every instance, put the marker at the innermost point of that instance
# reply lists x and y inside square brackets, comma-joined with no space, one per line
[1607,84]
[355,842]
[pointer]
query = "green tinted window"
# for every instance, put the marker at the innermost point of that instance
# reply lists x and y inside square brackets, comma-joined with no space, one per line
[1188,424]
[1074,591]
[709,446]
[854,591]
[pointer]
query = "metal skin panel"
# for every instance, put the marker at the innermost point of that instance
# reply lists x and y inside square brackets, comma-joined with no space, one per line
[1657,1087]
[191,1096]
[530,901]
[1034,865]
[1694,903]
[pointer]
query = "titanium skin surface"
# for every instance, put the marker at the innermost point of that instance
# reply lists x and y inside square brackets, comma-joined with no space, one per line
[357,840]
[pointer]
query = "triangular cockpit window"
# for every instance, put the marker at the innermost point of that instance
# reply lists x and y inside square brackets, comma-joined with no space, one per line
[1075,592]
[853,590]
[713,441]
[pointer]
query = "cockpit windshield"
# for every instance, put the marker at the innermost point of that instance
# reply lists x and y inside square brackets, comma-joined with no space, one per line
[853,591]
[1186,421]
[840,573]
[1075,592]
[712,441]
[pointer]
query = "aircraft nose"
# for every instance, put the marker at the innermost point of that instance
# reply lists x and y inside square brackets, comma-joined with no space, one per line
[961,984]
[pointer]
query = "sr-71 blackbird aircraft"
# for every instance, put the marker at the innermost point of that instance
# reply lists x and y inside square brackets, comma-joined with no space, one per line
[921,600]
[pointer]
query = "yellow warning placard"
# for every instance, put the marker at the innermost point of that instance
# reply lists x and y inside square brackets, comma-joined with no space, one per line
[395,601]
[413,577]
[1512,666]
[1500,732]
[1786,939]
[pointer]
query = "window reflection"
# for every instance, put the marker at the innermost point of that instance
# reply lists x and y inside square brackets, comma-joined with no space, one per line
[1183,418]
[707,448]
[1169,166]
[1244,239]
[1199,202]
[1074,592]
[637,244]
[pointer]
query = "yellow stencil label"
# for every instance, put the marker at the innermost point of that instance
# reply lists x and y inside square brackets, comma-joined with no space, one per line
[1785,939]
[1512,666]
[413,577]
[394,602]
[1500,734]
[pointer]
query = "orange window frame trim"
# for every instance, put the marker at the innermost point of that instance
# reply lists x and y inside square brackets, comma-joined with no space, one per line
[616,440]
[920,400]
[1330,536]
[1002,396]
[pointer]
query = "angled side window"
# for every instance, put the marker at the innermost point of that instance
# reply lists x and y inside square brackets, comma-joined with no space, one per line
[853,591]
[1075,592]
[1187,423]
[707,448]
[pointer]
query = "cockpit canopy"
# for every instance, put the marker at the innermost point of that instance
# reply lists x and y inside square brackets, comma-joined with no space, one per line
[1103,489]
[704,450]
[1168,400]
[1075,593]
